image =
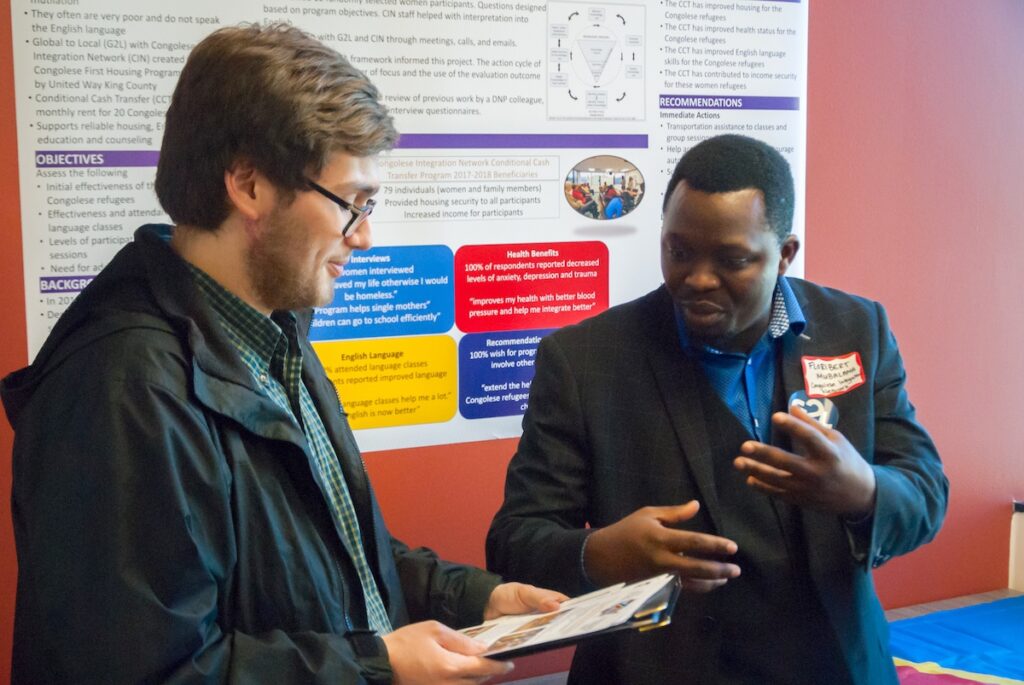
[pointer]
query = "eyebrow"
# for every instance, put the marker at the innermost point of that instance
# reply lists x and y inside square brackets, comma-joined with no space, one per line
[344,188]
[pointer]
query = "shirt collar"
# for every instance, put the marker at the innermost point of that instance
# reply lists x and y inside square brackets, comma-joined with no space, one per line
[244,323]
[786,315]
[786,312]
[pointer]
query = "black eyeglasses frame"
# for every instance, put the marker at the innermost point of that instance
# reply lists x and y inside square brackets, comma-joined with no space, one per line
[358,214]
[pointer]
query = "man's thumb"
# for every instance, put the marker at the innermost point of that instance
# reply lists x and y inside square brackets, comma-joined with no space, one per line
[679,512]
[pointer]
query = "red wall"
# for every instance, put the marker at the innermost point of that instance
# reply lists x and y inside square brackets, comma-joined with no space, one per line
[915,145]
[13,348]
[915,158]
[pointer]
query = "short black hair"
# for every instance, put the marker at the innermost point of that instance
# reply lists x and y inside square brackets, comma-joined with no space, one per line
[732,162]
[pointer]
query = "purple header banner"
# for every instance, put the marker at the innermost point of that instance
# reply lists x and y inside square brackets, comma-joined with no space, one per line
[63,284]
[410,141]
[95,158]
[726,102]
[451,141]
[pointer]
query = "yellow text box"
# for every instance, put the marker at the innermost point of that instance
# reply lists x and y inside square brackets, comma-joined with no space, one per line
[393,381]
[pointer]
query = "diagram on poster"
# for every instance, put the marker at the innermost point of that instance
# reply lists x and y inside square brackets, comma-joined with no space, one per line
[596,61]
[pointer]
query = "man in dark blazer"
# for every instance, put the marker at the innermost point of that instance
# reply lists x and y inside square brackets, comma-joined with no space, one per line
[747,431]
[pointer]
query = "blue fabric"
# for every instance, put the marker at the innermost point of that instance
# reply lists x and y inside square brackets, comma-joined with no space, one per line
[746,382]
[613,209]
[986,638]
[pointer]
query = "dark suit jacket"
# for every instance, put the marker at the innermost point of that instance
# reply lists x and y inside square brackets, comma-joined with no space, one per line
[615,423]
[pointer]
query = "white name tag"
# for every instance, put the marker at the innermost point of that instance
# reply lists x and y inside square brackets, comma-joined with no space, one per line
[831,376]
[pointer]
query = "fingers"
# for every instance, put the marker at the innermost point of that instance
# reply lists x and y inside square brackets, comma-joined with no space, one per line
[697,568]
[693,555]
[533,598]
[819,448]
[762,458]
[697,544]
[688,542]
[550,603]
[676,514]
[645,543]
[476,669]
[766,488]
[800,427]
[794,477]
[468,665]
[701,586]
[798,412]
[520,598]
[430,653]
[773,463]
[454,641]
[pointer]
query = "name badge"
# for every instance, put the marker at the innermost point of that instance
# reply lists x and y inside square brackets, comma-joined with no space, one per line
[831,376]
[821,409]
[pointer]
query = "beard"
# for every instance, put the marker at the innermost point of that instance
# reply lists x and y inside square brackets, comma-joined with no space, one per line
[276,267]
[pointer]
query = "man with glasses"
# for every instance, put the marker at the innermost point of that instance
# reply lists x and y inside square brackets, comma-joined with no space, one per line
[189,501]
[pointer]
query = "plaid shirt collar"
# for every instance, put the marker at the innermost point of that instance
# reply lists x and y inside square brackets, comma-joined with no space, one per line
[249,330]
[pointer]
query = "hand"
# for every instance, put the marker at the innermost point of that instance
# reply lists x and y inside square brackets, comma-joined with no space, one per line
[642,545]
[826,473]
[519,598]
[430,653]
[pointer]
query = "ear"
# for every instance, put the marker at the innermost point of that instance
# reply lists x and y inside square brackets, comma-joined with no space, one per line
[790,246]
[251,194]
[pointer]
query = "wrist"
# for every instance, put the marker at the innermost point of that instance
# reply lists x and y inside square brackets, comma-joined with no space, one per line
[372,656]
[864,511]
[592,564]
[588,581]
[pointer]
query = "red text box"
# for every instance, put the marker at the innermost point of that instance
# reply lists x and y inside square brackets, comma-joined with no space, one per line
[529,285]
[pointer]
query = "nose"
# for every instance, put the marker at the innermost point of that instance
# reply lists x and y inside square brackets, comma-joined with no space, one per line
[362,237]
[702,278]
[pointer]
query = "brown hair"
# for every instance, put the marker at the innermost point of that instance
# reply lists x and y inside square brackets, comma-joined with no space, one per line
[272,95]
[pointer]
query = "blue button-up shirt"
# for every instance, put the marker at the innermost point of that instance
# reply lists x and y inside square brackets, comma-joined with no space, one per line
[746,382]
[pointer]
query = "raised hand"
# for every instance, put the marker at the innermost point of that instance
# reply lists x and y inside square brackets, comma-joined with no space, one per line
[643,544]
[825,473]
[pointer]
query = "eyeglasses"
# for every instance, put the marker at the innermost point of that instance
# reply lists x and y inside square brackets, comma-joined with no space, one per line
[358,214]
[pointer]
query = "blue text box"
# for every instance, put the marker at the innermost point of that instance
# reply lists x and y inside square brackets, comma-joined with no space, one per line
[391,291]
[495,372]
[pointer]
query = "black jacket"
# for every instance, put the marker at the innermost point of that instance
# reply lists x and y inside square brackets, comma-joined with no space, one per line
[616,421]
[169,527]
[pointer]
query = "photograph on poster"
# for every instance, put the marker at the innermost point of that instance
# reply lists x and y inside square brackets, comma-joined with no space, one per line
[604,187]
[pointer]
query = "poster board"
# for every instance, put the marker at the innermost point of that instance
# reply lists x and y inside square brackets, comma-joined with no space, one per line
[479,250]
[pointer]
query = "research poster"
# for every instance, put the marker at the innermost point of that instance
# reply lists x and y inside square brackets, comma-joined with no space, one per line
[525,192]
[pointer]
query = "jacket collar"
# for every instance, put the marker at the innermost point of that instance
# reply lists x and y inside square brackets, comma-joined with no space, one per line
[676,376]
[220,379]
[225,385]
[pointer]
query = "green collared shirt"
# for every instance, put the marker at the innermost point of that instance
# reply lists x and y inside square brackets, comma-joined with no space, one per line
[269,348]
